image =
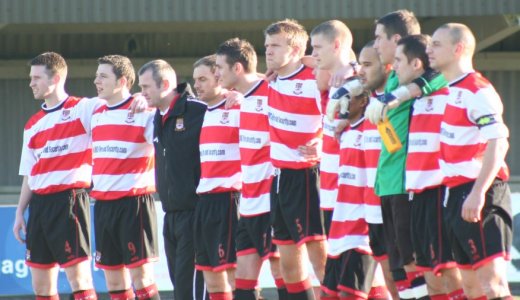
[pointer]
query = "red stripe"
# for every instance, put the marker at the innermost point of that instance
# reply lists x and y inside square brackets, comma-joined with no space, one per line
[456,116]
[342,229]
[372,158]
[253,190]
[219,169]
[254,121]
[292,139]
[57,132]
[422,161]
[251,157]
[371,198]
[298,287]
[283,164]
[219,135]
[246,284]
[351,194]
[34,119]
[65,162]
[62,187]
[114,166]
[216,269]
[426,124]
[457,154]
[120,133]
[328,180]
[114,195]
[330,145]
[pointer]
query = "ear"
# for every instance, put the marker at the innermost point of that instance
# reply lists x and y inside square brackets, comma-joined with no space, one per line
[395,38]
[122,81]
[459,48]
[56,78]
[417,63]
[337,44]
[165,84]
[238,68]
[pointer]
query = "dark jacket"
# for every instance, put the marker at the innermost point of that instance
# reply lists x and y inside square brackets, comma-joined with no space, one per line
[177,158]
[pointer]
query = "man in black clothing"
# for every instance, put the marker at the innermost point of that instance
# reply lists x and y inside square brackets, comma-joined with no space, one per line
[177,123]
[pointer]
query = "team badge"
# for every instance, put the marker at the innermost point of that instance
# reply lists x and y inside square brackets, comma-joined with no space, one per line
[429,105]
[130,117]
[298,88]
[179,124]
[259,105]
[225,117]
[65,114]
[357,142]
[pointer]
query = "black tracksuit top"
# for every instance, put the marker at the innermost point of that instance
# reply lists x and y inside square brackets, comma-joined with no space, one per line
[177,158]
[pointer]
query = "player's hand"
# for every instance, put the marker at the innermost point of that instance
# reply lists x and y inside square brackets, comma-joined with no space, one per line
[398,96]
[375,112]
[340,76]
[233,98]
[270,75]
[139,104]
[332,108]
[472,207]
[340,127]
[312,150]
[19,226]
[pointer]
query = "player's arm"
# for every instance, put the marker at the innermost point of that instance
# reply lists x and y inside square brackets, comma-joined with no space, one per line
[23,202]
[494,156]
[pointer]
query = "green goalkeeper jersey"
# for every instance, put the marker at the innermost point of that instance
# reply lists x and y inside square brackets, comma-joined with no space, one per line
[390,176]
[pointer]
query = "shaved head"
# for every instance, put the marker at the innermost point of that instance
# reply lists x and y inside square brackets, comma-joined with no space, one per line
[460,33]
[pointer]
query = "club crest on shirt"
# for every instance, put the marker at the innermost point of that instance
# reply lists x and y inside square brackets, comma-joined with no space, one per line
[429,105]
[357,142]
[298,88]
[458,99]
[225,117]
[130,117]
[259,105]
[65,114]
[179,124]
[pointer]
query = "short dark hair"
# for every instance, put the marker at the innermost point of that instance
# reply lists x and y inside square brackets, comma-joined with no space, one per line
[402,22]
[239,51]
[414,46]
[53,62]
[160,70]
[208,61]
[121,66]
[295,33]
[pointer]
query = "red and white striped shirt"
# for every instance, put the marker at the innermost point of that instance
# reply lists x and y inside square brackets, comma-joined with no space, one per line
[422,161]
[57,152]
[473,116]
[329,165]
[349,230]
[123,152]
[372,148]
[219,150]
[294,117]
[257,169]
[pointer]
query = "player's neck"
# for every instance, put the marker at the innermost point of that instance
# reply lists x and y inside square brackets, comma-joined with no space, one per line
[247,82]
[457,69]
[55,98]
[216,100]
[289,68]
[166,101]
[118,97]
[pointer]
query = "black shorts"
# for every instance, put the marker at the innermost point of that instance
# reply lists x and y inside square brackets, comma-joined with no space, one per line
[351,272]
[254,235]
[475,244]
[126,232]
[377,241]
[327,219]
[396,223]
[58,229]
[215,231]
[430,241]
[295,207]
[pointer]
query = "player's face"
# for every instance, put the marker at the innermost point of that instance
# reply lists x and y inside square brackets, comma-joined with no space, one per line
[206,84]
[384,46]
[441,50]
[372,71]
[278,53]
[106,82]
[323,51]
[357,106]
[42,84]
[403,68]
[149,89]
[225,73]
